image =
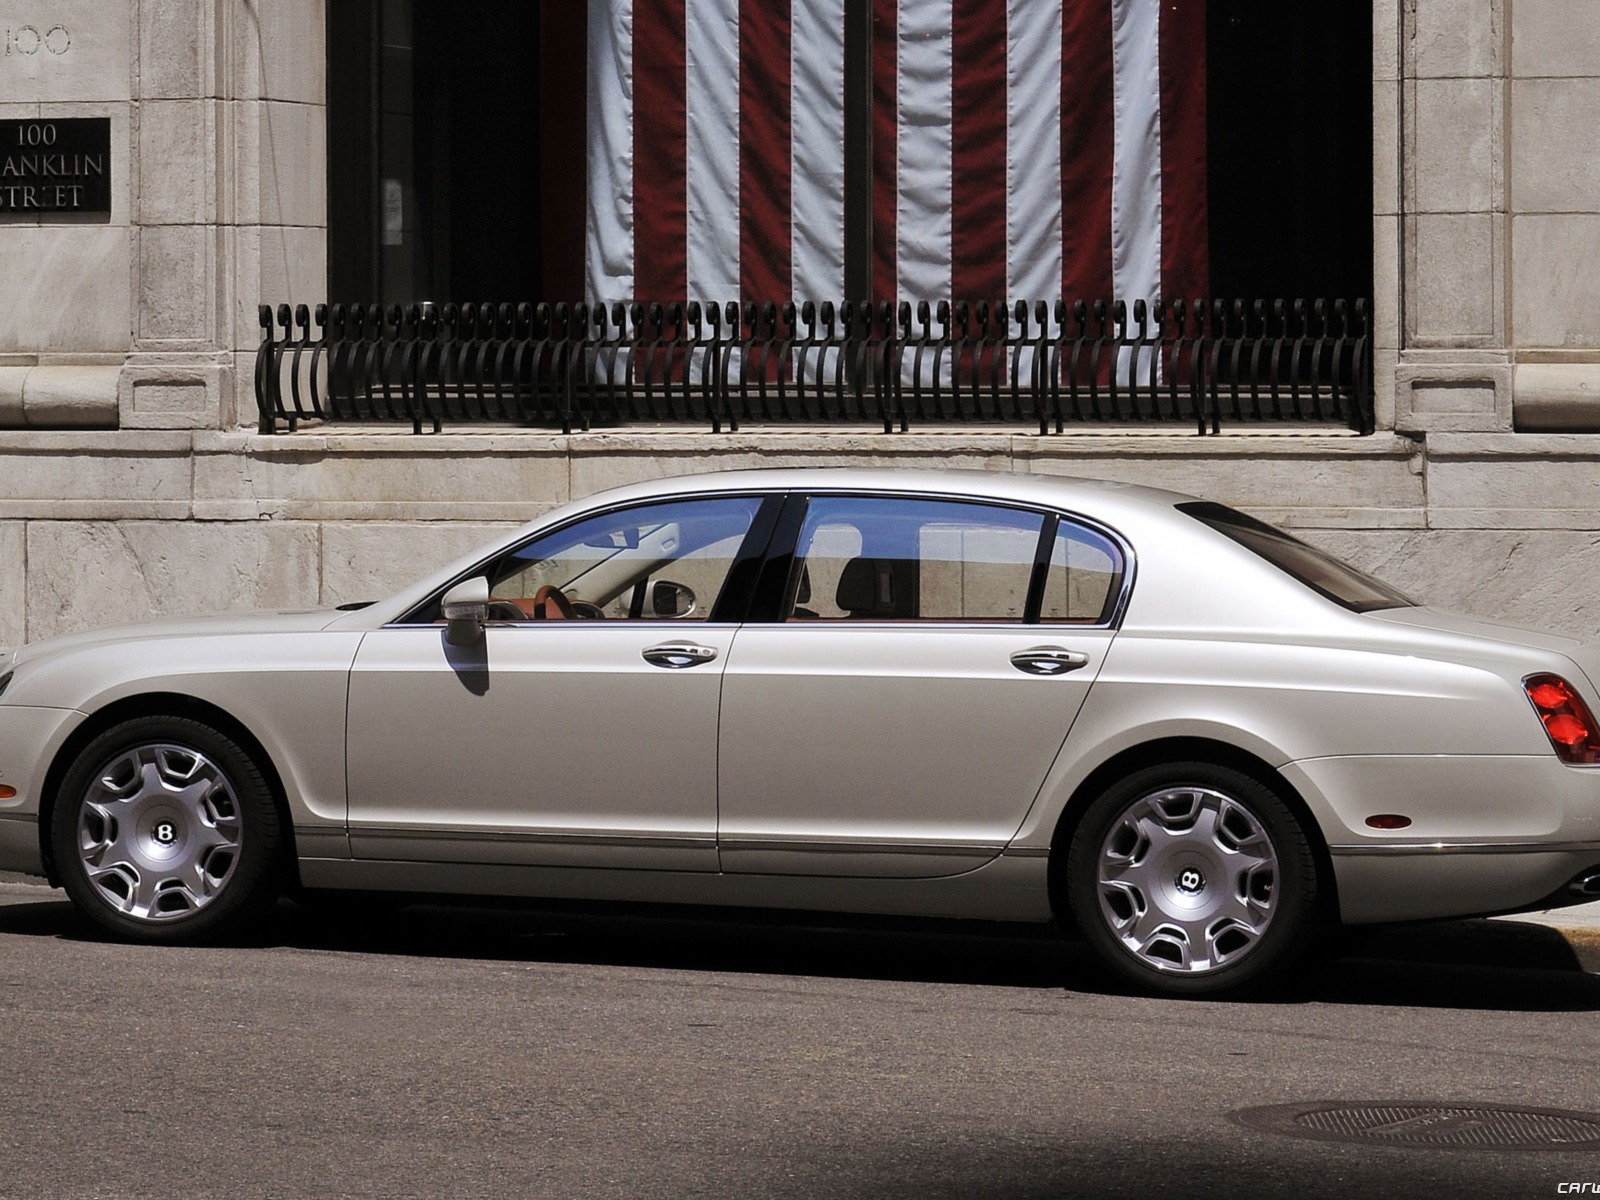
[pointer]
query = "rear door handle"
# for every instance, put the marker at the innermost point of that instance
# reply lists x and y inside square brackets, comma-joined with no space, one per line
[676,655]
[1049,660]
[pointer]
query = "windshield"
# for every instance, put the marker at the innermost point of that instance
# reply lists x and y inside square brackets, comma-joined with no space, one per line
[1317,569]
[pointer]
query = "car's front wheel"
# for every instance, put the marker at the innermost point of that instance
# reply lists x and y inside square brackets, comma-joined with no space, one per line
[165,830]
[1192,878]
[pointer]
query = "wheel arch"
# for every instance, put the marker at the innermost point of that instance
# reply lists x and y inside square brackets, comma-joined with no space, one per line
[1185,749]
[161,704]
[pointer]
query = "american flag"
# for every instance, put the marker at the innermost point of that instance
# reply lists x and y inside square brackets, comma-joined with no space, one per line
[1022,149]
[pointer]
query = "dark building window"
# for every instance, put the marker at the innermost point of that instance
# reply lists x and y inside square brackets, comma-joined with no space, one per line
[455,142]
[1289,154]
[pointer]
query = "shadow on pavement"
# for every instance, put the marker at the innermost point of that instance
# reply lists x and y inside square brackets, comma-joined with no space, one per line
[1477,964]
[690,939]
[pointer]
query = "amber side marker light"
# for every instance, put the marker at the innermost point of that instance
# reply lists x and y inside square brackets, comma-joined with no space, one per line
[1567,720]
[7,793]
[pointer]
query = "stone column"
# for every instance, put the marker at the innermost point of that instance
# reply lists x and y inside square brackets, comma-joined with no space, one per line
[1454,363]
[1555,214]
[231,203]
[1386,206]
[173,376]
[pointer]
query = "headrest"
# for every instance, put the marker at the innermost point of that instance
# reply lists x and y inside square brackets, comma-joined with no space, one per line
[866,587]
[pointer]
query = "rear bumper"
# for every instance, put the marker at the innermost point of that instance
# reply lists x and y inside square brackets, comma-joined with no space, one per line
[1421,882]
[1483,834]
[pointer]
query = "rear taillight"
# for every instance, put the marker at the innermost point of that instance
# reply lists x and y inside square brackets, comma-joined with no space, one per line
[1567,719]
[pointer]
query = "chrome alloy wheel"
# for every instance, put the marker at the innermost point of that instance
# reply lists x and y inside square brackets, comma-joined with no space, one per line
[1187,880]
[158,832]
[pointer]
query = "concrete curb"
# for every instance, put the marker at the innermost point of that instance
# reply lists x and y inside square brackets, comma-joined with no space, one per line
[1578,917]
[1579,925]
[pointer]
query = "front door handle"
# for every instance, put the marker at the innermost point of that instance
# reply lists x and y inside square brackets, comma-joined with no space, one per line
[1049,660]
[678,654]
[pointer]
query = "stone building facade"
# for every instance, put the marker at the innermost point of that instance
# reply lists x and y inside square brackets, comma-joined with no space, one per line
[133,482]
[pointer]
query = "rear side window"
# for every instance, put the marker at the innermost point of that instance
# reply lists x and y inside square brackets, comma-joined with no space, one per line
[904,558]
[865,558]
[1317,569]
[1085,576]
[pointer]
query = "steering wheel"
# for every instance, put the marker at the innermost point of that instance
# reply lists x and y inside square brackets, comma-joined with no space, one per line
[550,603]
[505,610]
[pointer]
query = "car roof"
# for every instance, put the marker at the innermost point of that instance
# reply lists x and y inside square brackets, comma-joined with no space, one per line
[1060,491]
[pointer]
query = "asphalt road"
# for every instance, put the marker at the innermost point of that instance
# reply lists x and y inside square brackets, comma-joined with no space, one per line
[431,1051]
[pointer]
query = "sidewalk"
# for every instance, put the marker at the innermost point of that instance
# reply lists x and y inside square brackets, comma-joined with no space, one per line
[1579,925]
[1579,918]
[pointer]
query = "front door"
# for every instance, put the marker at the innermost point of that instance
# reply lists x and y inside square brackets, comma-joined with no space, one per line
[581,730]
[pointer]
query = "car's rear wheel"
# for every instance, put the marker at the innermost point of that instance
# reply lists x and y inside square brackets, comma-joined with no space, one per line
[1192,878]
[165,830]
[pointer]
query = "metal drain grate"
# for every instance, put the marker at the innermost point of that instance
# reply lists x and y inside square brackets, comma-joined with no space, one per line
[1436,1126]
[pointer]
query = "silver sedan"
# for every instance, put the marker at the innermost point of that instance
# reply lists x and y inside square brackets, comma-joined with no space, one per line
[990,696]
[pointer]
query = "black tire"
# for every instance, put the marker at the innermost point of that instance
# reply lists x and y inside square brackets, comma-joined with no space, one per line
[1193,879]
[165,830]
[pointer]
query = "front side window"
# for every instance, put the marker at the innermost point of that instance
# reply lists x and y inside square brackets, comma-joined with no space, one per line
[666,561]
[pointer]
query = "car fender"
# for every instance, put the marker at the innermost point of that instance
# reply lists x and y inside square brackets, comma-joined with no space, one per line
[287,689]
[1280,703]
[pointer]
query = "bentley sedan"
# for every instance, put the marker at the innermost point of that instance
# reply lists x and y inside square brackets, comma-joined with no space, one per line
[1187,734]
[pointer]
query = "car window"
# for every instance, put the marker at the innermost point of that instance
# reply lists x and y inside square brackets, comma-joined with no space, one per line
[1085,577]
[910,559]
[1317,569]
[653,562]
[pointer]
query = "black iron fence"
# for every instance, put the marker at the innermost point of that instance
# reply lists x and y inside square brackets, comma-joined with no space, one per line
[1038,365]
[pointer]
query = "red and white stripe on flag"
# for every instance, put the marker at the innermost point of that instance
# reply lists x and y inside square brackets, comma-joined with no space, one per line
[1066,158]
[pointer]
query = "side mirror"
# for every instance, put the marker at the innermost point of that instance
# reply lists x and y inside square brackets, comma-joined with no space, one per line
[465,608]
[668,599]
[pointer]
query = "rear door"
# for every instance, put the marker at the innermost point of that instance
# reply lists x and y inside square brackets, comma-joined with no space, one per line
[926,660]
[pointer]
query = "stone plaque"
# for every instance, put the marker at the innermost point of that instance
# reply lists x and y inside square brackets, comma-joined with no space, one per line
[55,165]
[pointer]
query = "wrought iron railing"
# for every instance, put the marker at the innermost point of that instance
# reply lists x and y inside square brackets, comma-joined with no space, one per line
[577,367]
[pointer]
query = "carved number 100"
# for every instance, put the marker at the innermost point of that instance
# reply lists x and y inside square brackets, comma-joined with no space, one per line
[36,135]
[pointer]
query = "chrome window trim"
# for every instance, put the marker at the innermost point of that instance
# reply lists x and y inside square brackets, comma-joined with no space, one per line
[405,622]
[1113,620]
